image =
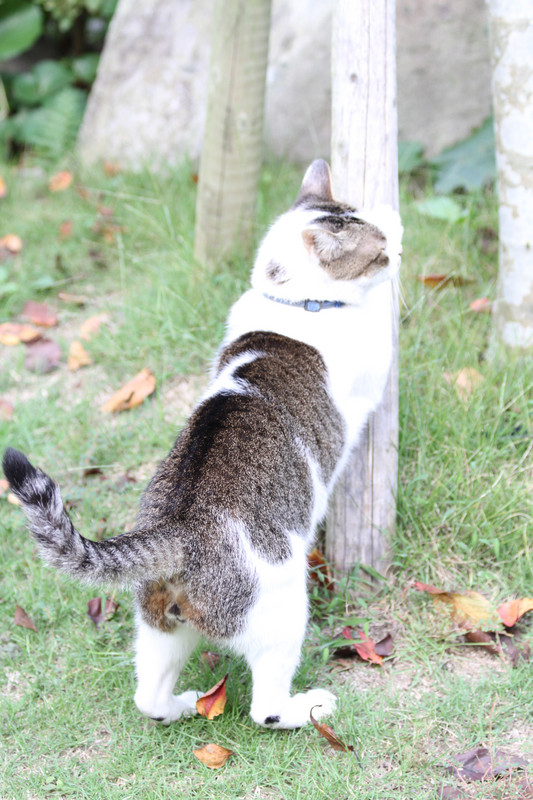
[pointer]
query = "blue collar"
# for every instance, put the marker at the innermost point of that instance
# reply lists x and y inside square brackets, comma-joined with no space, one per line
[307,305]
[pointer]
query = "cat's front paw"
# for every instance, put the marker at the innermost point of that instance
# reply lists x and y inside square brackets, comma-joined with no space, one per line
[170,709]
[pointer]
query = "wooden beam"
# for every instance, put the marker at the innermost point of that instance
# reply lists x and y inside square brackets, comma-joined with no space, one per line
[364,156]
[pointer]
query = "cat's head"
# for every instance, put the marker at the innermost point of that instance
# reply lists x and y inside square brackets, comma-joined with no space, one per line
[326,250]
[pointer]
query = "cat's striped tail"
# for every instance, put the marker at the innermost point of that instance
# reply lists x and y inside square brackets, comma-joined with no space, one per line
[120,560]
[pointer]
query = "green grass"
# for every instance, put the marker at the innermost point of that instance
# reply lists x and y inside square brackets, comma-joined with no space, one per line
[69,725]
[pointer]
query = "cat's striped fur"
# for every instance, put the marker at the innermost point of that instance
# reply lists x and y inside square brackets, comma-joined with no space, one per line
[225,524]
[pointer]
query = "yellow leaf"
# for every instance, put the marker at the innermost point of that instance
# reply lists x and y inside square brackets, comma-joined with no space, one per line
[3,187]
[92,325]
[470,609]
[213,756]
[465,381]
[11,242]
[132,393]
[12,333]
[78,357]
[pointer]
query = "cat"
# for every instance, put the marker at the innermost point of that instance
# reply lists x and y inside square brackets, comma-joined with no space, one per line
[226,522]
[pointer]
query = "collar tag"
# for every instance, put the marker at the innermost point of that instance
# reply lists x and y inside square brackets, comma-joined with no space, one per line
[307,305]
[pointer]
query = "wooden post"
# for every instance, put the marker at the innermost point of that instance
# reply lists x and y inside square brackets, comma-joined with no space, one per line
[364,158]
[233,140]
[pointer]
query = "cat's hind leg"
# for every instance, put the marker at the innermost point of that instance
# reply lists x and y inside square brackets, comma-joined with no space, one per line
[272,645]
[159,659]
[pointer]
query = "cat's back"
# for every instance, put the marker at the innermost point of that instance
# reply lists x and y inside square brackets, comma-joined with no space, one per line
[249,451]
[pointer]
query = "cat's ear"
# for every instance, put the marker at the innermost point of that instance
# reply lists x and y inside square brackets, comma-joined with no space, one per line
[325,244]
[317,181]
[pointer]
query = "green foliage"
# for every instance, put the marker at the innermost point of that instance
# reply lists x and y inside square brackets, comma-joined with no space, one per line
[444,208]
[42,106]
[35,86]
[65,12]
[21,24]
[469,164]
[410,157]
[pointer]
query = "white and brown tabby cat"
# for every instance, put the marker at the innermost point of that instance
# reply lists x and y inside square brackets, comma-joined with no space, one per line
[227,520]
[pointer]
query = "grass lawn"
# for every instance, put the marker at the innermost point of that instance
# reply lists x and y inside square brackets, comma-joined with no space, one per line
[121,246]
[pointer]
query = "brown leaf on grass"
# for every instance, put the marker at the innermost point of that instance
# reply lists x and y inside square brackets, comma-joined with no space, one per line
[13,333]
[65,229]
[132,393]
[42,356]
[481,306]
[212,755]
[92,325]
[75,299]
[328,733]
[107,230]
[3,187]
[60,181]
[95,613]
[210,659]
[470,610]
[111,168]
[385,646]
[465,381]
[78,357]
[319,569]
[511,611]
[440,280]
[7,409]
[39,314]
[479,764]
[364,646]
[212,703]
[22,619]
[11,242]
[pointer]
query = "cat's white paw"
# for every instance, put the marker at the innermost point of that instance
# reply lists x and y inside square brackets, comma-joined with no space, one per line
[295,711]
[171,708]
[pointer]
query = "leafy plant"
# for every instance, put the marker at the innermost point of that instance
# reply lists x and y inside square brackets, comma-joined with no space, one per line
[43,104]
[469,164]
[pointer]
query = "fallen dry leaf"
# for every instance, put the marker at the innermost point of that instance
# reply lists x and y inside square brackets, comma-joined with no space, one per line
[11,242]
[470,610]
[481,306]
[210,659]
[212,755]
[60,182]
[3,187]
[40,314]
[364,646]
[6,409]
[12,333]
[76,299]
[328,733]
[465,381]
[22,619]
[319,569]
[111,168]
[42,356]
[65,229]
[479,764]
[132,393]
[511,611]
[213,702]
[95,613]
[78,357]
[5,492]
[92,325]
[439,281]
